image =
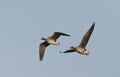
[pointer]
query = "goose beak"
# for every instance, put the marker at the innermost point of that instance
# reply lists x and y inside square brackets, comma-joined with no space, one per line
[72,47]
[42,38]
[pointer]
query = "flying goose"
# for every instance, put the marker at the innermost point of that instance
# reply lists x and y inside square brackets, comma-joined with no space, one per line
[50,40]
[81,48]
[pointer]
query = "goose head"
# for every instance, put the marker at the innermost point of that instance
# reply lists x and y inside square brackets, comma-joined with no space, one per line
[43,38]
[72,47]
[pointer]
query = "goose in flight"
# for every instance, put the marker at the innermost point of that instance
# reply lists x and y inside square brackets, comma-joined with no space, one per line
[50,40]
[81,48]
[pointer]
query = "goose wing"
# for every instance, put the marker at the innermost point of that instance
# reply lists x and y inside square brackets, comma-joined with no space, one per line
[42,47]
[86,37]
[56,35]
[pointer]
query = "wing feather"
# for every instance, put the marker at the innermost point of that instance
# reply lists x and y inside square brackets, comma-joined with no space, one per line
[86,37]
[56,35]
[42,47]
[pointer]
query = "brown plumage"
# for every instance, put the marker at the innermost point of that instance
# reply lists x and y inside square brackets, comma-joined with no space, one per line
[81,48]
[86,37]
[50,40]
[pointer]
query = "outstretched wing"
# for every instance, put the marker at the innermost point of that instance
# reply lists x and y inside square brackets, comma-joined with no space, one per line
[86,37]
[42,47]
[56,35]
[68,51]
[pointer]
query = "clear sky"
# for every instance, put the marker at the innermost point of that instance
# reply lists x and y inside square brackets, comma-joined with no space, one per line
[24,22]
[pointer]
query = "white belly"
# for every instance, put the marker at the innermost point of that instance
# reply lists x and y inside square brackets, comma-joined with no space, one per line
[80,50]
[52,42]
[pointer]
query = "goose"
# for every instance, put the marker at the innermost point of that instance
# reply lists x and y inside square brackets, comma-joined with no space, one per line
[81,48]
[50,40]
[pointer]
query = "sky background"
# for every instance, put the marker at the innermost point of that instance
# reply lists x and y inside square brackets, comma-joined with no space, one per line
[24,22]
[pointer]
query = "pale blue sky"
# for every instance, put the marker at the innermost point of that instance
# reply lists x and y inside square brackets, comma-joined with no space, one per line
[24,22]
